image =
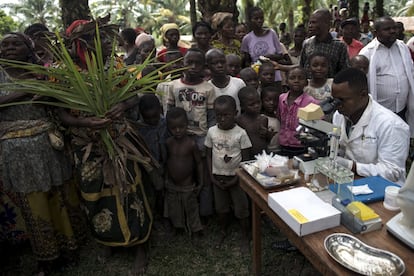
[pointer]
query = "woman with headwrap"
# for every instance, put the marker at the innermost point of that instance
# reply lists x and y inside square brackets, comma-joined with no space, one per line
[31,168]
[118,215]
[225,38]
[171,36]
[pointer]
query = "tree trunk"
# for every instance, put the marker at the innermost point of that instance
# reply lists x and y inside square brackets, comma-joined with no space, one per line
[209,7]
[291,23]
[73,10]
[306,10]
[354,8]
[379,8]
[193,12]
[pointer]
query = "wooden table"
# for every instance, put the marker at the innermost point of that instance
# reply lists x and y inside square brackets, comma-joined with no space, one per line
[312,246]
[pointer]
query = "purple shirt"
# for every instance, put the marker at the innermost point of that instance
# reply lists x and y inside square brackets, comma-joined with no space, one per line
[257,46]
[288,116]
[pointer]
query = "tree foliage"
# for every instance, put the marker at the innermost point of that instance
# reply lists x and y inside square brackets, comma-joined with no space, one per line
[35,11]
[7,23]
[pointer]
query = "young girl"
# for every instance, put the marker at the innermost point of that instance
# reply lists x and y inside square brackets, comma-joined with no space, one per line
[270,98]
[289,103]
[255,124]
[319,86]
[260,41]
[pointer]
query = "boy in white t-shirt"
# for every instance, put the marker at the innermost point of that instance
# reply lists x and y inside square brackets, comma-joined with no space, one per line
[227,145]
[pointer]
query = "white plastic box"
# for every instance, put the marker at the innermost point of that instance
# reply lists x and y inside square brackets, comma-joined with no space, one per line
[304,211]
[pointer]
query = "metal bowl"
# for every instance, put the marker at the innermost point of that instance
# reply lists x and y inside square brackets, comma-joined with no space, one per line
[362,258]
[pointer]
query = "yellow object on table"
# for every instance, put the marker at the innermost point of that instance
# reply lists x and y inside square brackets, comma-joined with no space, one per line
[361,211]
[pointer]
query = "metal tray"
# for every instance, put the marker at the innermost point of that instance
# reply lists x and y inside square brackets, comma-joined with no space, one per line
[362,258]
[269,182]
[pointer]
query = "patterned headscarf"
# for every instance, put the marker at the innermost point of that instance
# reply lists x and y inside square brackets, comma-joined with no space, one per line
[166,27]
[218,18]
[80,32]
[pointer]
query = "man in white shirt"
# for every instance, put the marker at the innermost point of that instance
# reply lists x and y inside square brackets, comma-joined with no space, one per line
[391,70]
[374,140]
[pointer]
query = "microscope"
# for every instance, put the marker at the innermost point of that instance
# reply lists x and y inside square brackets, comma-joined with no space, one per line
[320,137]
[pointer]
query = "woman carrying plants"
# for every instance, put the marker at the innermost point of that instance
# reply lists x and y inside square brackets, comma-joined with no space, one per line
[31,167]
[113,160]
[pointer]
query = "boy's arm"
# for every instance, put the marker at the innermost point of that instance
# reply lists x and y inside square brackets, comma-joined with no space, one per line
[211,118]
[245,154]
[199,164]
[209,156]
[264,127]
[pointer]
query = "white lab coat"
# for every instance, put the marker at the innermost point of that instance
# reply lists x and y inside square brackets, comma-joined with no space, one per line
[378,143]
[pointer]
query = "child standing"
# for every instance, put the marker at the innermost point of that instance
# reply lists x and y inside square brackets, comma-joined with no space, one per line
[196,96]
[250,77]
[183,161]
[289,103]
[270,99]
[233,64]
[319,86]
[153,129]
[227,145]
[223,83]
[267,76]
[255,124]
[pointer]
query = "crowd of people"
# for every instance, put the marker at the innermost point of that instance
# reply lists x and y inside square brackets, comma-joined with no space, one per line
[230,95]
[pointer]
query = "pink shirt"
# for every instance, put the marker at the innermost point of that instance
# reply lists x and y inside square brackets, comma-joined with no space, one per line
[354,47]
[289,120]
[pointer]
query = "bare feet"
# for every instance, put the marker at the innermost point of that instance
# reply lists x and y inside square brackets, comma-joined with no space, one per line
[140,262]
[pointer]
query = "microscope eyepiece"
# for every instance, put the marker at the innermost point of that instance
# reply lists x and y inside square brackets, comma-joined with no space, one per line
[329,105]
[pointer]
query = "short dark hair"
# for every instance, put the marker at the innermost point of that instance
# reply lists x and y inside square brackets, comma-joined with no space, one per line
[318,54]
[251,11]
[265,64]
[129,35]
[226,100]
[379,21]
[270,89]
[213,51]
[357,80]
[149,102]
[245,92]
[200,24]
[35,28]
[195,50]
[176,113]
[300,68]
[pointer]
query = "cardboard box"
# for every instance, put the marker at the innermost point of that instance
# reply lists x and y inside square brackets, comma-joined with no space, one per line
[304,211]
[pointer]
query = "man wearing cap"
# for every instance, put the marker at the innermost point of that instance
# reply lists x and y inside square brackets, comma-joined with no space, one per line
[349,28]
[391,71]
[323,42]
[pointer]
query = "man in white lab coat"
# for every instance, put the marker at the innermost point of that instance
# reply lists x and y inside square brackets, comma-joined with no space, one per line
[374,140]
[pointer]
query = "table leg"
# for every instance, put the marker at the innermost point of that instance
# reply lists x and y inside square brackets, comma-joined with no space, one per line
[257,239]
